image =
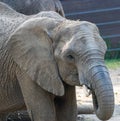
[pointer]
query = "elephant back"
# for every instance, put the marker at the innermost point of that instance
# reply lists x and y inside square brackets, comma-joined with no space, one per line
[9,21]
[30,7]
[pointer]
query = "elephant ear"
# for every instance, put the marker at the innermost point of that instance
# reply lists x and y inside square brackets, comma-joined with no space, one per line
[31,48]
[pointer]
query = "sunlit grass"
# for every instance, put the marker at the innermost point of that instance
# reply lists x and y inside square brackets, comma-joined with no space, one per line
[113,63]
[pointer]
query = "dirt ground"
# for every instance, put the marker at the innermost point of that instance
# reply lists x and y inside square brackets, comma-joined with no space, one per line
[82,99]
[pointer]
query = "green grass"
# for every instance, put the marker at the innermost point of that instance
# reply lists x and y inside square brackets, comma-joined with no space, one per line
[113,63]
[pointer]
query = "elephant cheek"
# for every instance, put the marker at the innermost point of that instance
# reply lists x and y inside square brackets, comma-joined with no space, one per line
[72,80]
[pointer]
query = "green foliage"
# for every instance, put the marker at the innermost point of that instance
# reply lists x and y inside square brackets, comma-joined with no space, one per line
[113,54]
[113,63]
[108,42]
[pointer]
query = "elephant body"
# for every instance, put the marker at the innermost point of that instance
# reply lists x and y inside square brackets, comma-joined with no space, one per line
[11,96]
[42,58]
[29,7]
[10,23]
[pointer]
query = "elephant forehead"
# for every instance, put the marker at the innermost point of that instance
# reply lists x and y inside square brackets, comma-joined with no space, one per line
[87,24]
[83,28]
[88,27]
[75,32]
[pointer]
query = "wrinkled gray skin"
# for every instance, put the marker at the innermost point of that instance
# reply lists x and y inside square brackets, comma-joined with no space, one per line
[29,7]
[43,58]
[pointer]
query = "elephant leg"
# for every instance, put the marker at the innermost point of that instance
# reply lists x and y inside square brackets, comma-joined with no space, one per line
[40,103]
[3,116]
[66,107]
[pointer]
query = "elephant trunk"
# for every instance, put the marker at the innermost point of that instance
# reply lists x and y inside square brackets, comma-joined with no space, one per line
[102,92]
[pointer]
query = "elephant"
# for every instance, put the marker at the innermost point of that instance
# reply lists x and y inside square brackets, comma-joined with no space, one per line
[29,7]
[43,57]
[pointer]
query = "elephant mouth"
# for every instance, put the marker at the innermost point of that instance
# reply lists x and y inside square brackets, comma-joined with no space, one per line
[87,90]
[72,79]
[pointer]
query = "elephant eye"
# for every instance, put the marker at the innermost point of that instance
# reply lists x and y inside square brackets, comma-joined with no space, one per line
[70,58]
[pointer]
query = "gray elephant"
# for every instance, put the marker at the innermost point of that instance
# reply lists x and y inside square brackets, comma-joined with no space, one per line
[30,7]
[43,58]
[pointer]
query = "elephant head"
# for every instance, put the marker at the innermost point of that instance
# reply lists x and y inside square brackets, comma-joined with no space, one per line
[53,50]
[80,54]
